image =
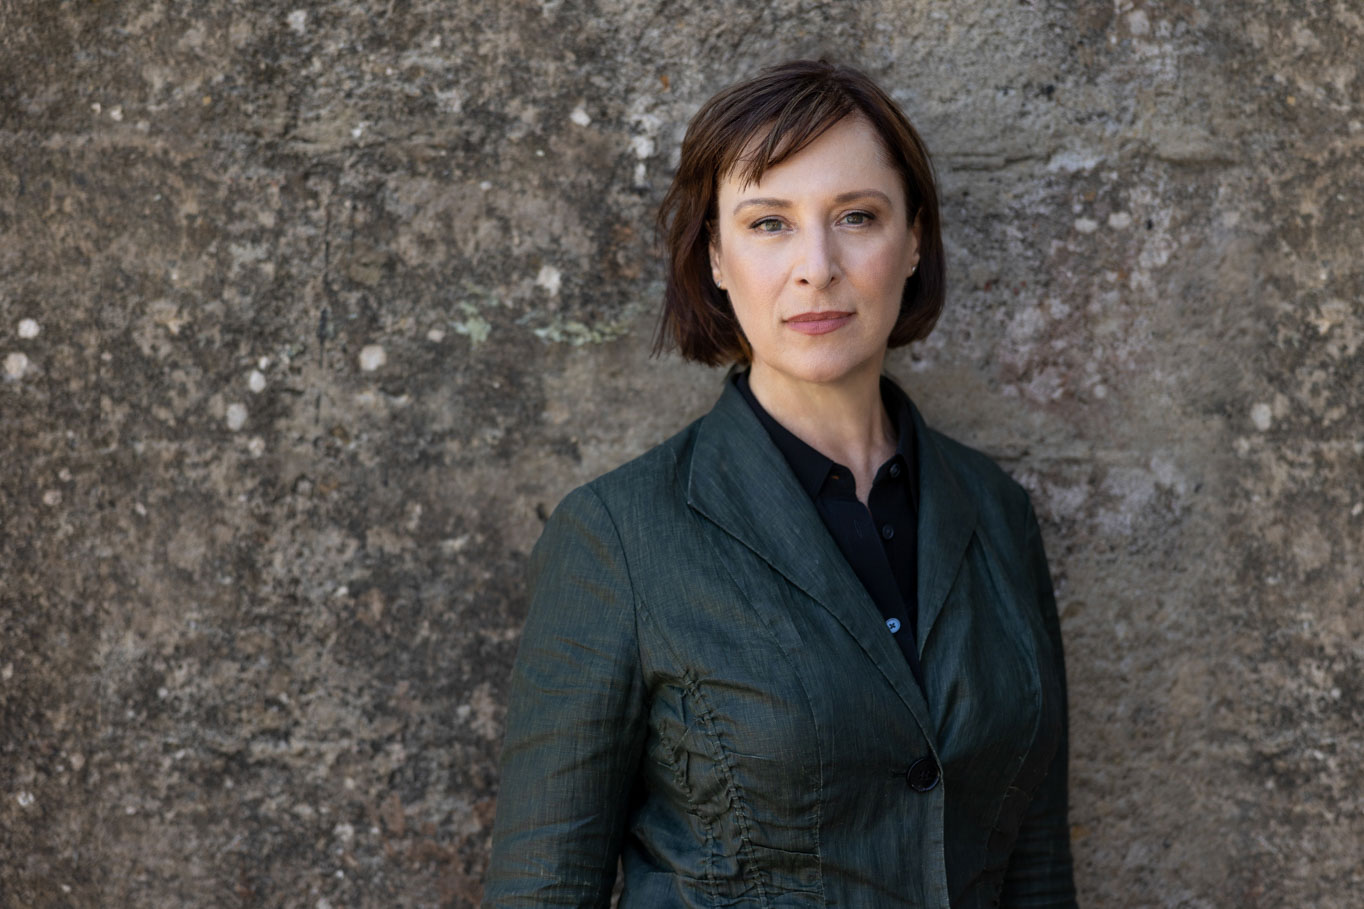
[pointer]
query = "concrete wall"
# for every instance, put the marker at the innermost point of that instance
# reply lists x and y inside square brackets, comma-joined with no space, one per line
[309,314]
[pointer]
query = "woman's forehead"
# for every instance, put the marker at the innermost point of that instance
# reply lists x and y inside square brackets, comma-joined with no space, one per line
[848,150]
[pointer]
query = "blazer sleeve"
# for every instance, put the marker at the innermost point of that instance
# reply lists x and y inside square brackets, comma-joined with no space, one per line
[1040,873]
[575,720]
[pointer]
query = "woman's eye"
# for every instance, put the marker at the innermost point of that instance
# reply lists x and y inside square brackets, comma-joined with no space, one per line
[768,226]
[857,218]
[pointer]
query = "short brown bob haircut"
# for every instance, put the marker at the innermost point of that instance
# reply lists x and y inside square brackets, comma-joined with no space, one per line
[780,111]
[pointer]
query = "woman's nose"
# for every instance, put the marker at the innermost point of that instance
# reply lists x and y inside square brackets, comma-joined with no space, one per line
[816,265]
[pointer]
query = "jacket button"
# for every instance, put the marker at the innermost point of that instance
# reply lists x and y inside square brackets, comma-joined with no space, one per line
[923,775]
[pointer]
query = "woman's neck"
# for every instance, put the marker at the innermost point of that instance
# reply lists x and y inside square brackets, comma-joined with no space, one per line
[845,421]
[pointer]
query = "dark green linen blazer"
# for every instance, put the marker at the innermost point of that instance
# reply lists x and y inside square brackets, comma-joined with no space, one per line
[705,692]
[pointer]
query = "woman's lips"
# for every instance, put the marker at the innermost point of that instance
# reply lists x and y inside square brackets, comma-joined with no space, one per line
[819,323]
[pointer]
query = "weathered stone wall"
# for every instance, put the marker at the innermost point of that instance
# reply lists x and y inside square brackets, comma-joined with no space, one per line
[310,313]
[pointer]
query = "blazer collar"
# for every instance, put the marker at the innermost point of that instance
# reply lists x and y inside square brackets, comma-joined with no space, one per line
[740,481]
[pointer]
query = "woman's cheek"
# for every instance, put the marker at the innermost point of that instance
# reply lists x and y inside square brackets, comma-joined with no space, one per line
[760,280]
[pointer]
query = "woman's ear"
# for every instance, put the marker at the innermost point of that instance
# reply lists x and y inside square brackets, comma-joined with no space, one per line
[915,235]
[715,273]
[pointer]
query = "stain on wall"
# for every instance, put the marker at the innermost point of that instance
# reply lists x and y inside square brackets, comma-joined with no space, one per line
[310,313]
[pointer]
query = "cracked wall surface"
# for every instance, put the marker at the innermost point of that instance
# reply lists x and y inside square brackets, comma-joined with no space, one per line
[310,312]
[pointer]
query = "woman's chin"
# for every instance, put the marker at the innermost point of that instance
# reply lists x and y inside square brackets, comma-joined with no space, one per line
[824,370]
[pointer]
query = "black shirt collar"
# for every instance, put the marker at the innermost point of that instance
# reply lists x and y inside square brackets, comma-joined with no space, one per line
[812,468]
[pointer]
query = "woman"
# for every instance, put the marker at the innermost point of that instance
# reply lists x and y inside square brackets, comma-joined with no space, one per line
[804,653]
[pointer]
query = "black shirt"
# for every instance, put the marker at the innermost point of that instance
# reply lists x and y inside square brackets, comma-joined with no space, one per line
[879,539]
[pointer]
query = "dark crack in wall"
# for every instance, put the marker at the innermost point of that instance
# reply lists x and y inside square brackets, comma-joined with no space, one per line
[310,313]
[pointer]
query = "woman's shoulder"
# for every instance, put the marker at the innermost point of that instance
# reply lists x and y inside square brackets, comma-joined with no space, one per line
[658,469]
[651,484]
[993,491]
[977,473]
[974,465]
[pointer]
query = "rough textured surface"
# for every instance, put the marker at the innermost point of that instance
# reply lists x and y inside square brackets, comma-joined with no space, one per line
[308,314]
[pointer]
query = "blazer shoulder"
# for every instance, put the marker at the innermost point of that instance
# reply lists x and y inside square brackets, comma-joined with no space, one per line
[993,490]
[649,483]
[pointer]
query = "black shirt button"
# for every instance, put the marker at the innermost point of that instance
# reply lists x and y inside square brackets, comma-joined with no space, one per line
[887,531]
[894,471]
[923,775]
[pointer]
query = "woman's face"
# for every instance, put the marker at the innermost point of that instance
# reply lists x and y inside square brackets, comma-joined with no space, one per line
[815,257]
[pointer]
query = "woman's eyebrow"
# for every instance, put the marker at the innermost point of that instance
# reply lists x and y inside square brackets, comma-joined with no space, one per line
[840,199]
[856,194]
[764,203]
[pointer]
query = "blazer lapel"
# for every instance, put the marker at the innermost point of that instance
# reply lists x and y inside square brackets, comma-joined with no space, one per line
[947,519]
[740,482]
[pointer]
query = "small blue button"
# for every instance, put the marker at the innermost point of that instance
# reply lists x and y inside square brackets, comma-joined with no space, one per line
[893,625]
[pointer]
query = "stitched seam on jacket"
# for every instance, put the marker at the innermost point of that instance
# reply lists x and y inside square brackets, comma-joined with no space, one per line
[809,705]
[748,862]
[712,838]
[705,713]
[711,846]
[747,859]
